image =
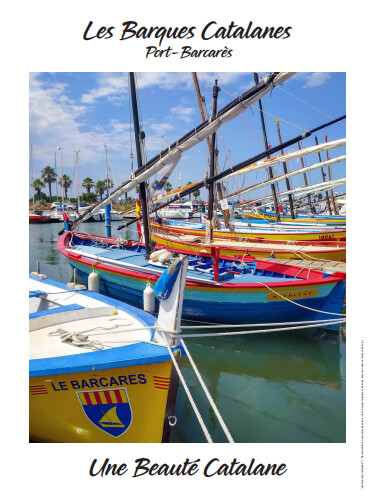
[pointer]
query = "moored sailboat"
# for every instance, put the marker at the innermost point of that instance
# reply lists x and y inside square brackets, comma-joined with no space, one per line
[101,370]
[255,232]
[221,290]
[310,250]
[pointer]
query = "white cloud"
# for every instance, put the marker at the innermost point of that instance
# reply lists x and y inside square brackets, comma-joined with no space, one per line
[317,79]
[110,85]
[57,120]
[166,81]
[183,113]
[114,86]
[313,79]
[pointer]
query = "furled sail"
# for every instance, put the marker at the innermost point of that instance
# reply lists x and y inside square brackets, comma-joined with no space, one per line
[305,169]
[174,152]
[302,191]
[288,157]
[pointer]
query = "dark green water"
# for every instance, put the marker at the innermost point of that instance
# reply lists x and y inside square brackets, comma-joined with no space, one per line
[284,387]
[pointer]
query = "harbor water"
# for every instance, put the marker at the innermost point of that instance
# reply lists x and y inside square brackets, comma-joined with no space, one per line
[275,387]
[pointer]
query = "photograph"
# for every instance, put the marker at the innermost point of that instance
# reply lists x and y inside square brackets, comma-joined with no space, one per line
[187,243]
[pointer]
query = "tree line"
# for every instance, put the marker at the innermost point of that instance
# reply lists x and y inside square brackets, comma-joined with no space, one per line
[49,177]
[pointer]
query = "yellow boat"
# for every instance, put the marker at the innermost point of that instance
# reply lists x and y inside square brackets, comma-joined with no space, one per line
[195,244]
[318,219]
[99,369]
[175,227]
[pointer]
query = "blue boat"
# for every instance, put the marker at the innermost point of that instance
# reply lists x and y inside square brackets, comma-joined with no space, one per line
[219,290]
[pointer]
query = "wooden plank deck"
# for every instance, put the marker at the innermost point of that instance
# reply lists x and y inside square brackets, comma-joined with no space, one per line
[323,265]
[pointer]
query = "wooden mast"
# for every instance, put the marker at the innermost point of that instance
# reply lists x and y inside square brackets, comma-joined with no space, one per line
[323,177]
[139,135]
[270,169]
[290,200]
[306,181]
[200,99]
[332,192]
[209,221]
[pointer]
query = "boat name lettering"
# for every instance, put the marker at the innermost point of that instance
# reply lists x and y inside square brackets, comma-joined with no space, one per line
[293,295]
[325,236]
[132,379]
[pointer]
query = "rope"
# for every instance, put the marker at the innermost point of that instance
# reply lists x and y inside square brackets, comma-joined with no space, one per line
[304,102]
[77,339]
[188,393]
[310,257]
[218,326]
[299,304]
[260,331]
[209,397]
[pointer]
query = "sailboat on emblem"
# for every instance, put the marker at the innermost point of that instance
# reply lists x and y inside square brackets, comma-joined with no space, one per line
[111,419]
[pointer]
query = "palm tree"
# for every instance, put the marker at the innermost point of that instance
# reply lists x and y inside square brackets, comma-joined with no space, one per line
[65,183]
[189,196]
[168,187]
[196,194]
[38,186]
[108,185]
[88,183]
[49,176]
[100,187]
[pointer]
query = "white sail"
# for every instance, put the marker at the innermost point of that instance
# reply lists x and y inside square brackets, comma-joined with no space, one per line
[306,169]
[174,154]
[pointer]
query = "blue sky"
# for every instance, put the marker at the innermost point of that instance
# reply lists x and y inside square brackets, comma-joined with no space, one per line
[85,111]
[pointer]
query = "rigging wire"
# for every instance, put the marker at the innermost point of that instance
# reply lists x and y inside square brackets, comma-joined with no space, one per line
[130,131]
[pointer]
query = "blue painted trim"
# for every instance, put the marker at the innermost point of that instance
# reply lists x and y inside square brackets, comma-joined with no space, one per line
[130,355]
[55,310]
[36,293]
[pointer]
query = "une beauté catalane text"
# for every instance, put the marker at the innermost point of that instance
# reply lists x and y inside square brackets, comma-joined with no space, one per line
[144,467]
[211,32]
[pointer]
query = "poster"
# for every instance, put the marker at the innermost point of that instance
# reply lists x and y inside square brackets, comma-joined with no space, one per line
[86,37]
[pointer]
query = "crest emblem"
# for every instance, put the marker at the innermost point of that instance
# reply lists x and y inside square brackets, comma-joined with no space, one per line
[109,410]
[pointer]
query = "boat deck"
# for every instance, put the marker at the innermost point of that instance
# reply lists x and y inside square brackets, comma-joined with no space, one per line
[131,259]
[322,265]
[297,248]
[53,308]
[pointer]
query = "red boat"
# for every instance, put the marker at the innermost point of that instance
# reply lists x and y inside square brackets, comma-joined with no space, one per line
[37,217]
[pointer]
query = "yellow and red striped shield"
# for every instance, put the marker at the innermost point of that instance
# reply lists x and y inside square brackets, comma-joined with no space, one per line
[109,410]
